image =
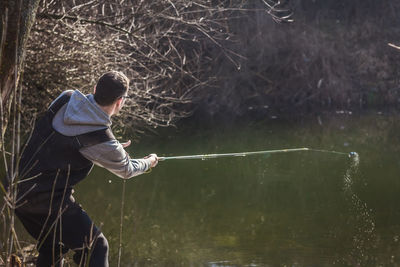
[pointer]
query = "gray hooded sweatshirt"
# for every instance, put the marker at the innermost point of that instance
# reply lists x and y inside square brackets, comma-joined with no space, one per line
[82,115]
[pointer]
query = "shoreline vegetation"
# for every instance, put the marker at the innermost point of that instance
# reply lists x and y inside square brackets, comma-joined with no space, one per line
[201,60]
[198,60]
[234,60]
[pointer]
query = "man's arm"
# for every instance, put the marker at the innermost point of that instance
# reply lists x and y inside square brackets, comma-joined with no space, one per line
[112,156]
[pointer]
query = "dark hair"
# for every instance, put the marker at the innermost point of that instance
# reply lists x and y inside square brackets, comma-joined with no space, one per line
[111,86]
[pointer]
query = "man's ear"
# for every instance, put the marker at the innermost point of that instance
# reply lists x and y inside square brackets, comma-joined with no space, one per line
[119,101]
[94,89]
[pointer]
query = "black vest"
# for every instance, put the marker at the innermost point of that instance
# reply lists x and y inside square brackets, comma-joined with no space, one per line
[54,159]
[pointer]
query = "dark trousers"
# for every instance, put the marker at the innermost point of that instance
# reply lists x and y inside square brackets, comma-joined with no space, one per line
[60,227]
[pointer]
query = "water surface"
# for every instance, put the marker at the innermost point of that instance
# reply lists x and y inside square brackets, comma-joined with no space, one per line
[291,209]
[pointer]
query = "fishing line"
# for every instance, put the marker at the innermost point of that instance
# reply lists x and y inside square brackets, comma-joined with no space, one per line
[244,154]
[333,152]
[121,222]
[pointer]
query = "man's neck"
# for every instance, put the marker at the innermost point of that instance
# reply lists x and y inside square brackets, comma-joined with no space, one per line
[108,109]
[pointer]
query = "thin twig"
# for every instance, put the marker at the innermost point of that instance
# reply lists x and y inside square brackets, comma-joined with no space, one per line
[394,46]
[81,20]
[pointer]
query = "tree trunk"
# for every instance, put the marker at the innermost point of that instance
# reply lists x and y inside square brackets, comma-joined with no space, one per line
[17,18]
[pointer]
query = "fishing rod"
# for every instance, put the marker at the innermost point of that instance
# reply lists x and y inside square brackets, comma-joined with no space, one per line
[244,154]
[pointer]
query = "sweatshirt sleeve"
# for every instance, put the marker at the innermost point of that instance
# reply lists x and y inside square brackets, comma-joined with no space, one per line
[113,157]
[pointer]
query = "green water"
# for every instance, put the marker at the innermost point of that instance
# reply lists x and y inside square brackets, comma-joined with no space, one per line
[292,209]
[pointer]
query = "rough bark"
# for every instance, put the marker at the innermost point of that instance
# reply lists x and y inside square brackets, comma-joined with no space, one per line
[17,18]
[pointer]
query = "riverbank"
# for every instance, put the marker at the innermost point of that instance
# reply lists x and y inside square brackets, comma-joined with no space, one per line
[334,55]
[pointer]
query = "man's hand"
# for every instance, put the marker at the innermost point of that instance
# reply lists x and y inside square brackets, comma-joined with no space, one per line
[153,158]
[126,144]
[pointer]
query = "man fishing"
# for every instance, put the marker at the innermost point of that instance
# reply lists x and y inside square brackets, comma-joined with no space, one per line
[73,134]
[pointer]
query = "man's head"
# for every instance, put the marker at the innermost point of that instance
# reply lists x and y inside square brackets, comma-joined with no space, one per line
[111,86]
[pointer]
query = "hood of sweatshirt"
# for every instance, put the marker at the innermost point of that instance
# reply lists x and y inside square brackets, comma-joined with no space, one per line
[80,115]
